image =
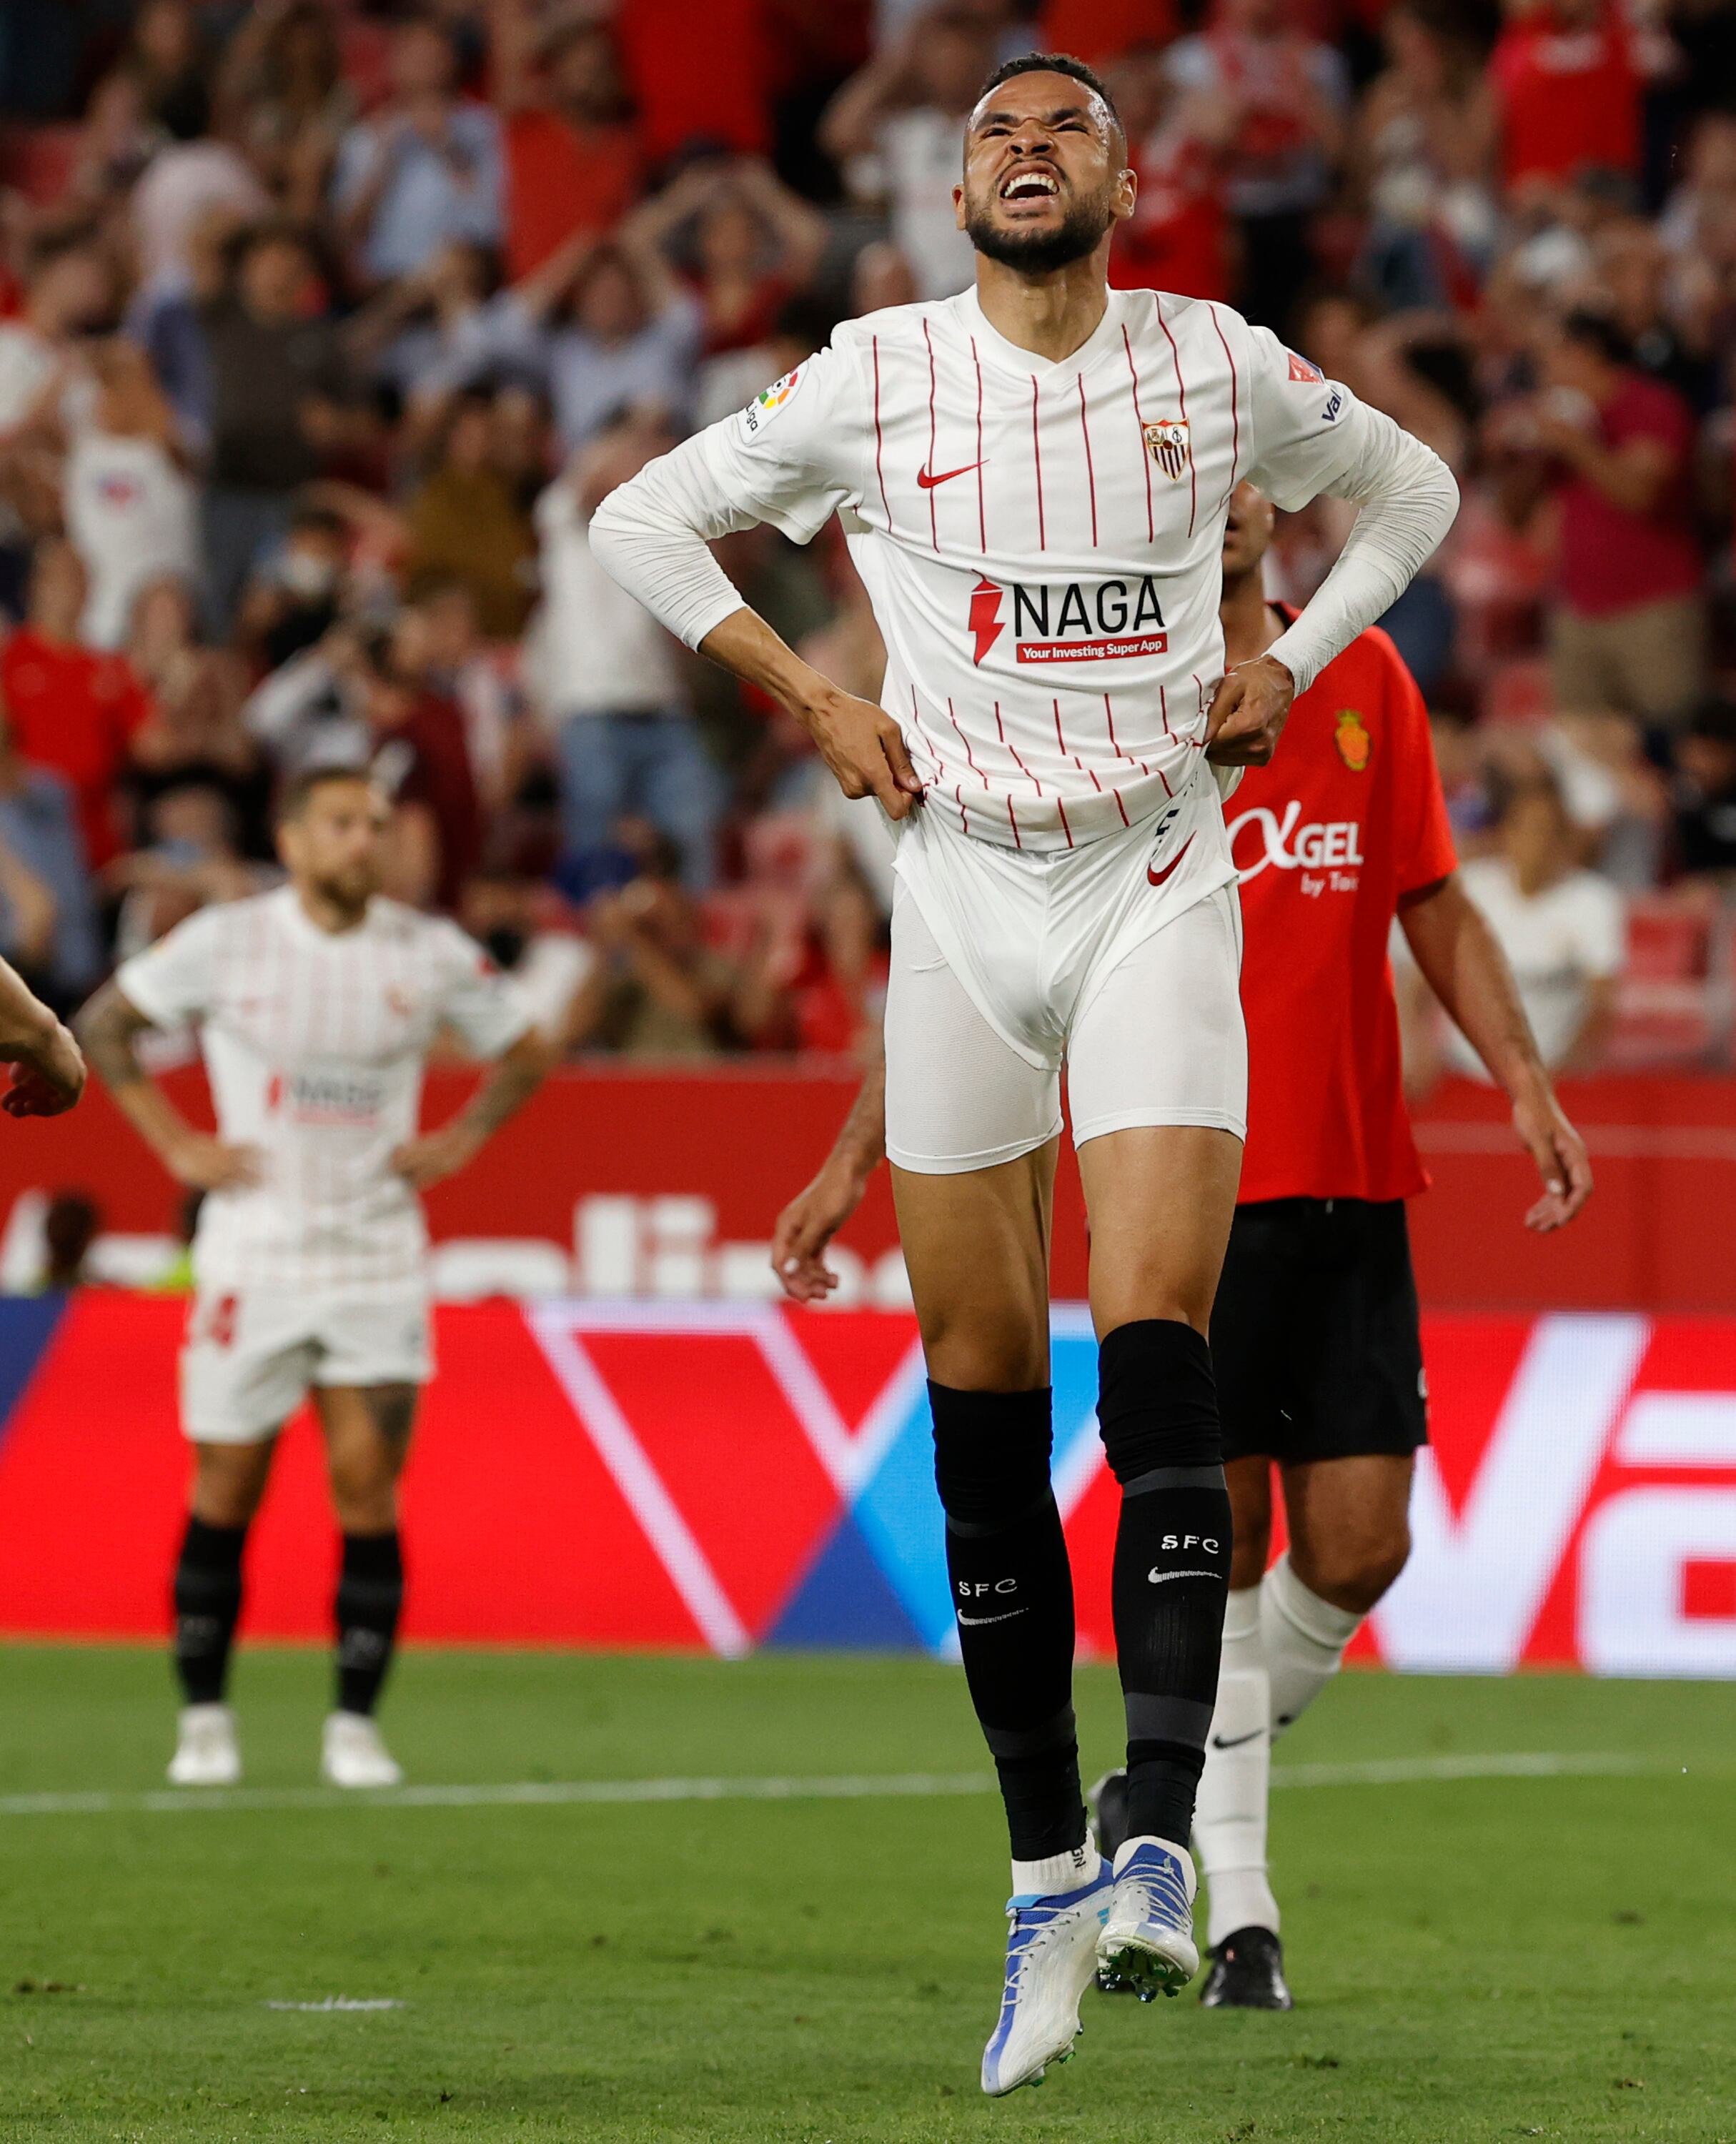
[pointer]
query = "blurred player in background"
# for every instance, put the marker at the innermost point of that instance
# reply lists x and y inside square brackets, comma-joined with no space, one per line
[318,1004]
[48,1066]
[1315,1337]
[1034,478]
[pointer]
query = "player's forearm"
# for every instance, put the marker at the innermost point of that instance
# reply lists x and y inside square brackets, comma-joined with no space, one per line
[509,1086]
[26,1023]
[744,644]
[860,1145]
[1465,966]
[1408,500]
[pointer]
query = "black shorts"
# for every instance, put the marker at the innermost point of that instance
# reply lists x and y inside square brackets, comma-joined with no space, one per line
[1314,1337]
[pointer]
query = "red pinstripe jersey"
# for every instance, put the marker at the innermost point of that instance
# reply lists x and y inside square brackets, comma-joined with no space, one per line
[314,1042]
[1040,540]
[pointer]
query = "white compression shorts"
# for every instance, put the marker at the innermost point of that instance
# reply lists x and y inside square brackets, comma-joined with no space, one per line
[1147,1021]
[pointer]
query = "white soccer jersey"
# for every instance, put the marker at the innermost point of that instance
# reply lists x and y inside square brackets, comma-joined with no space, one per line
[1040,540]
[315,1044]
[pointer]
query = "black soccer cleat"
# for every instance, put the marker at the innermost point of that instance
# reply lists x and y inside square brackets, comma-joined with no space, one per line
[1247,1974]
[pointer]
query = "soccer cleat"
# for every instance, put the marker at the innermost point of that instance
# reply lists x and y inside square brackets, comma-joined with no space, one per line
[353,1754]
[1247,1974]
[206,1751]
[1051,1955]
[1147,1939]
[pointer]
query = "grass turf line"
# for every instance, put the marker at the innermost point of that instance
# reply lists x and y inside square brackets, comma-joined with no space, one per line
[1474,1958]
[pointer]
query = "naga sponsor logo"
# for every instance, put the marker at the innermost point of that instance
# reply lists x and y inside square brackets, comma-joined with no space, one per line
[1321,844]
[325,1098]
[1069,621]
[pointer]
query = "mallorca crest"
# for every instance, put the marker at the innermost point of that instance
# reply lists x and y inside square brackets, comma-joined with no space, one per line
[1166,443]
[1355,745]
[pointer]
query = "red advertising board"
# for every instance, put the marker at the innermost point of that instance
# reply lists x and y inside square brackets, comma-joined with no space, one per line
[732,1475]
[666,1184]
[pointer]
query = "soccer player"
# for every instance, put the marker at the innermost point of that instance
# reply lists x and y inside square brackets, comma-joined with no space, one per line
[48,1066]
[1314,1331]
[317,1004]
[1034,477]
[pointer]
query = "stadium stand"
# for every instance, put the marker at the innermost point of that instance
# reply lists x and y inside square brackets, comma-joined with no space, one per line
[325,325]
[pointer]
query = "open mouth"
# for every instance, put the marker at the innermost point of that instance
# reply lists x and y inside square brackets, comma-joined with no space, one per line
[1030,186]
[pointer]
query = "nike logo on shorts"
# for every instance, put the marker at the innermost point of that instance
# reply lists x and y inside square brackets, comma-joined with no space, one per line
[1157,877]
[1235,1741]
[927,483]
[975,1621]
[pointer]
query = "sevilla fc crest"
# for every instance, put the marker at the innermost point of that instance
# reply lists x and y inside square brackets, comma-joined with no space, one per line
[1167,444]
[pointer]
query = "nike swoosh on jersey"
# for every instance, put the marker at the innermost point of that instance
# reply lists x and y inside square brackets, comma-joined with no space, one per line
[1235,1741]
[927,483]
[975,1620]
[1157,877]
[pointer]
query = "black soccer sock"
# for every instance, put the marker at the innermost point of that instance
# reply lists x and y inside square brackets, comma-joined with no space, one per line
[1158,1414]
[207,1605]
[370,1593]
[1013,1594]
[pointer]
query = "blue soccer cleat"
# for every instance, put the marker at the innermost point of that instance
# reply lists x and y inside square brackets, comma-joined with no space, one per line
[1051,1957]
[1148,1941]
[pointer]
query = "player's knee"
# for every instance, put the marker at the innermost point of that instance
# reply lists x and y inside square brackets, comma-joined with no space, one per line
[972,1354]
[991,1453]
[228,1483]
[1158,1402]
[364,1497]
[1352,1574]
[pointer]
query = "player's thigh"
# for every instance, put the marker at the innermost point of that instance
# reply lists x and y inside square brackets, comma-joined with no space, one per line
[367,1431]
[972,1131]
[1263,1292]
[245,1365]
[374,1357]
[1158,1080]
[1349,1524]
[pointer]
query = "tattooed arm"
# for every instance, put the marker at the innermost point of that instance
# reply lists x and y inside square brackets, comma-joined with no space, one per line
[109,1027]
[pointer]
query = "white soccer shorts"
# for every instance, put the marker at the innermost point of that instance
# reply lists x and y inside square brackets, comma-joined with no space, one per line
[1007,967]
[250,1357]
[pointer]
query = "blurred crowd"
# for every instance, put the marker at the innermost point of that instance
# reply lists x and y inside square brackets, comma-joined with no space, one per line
[325,326]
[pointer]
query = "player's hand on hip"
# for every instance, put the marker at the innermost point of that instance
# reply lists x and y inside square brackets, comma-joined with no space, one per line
[865,749]
[1561,1160]
[49,1078]
[1248,712]
[435,1156]
[806,1225]
[204,1164]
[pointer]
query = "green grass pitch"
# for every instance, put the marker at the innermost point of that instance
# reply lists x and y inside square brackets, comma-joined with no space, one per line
[1474,1957]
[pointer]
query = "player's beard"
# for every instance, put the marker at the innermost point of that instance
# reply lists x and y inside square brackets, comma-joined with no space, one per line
[348,891]
[1040,252]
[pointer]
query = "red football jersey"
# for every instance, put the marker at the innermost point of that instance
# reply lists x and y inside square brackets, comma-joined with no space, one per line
[1347,819]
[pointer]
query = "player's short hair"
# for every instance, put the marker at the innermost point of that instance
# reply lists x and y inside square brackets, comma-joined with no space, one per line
[300,789]
[1075,70]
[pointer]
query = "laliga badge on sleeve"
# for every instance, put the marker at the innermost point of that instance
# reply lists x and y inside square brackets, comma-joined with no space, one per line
[766,404]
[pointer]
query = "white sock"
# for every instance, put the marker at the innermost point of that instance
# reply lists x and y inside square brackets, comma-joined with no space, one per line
[1302,1638]
[1060,1872]
[1229,1818]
